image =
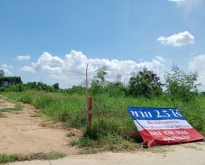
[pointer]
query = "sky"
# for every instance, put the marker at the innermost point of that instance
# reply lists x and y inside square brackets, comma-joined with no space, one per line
[52,41]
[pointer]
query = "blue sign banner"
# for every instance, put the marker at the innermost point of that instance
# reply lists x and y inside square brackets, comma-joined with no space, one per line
[150,113]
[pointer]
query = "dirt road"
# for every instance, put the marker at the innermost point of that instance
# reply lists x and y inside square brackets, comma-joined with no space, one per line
[184,154]
[24,132]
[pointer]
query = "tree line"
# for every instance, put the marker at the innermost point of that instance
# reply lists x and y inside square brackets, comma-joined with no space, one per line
[145,83]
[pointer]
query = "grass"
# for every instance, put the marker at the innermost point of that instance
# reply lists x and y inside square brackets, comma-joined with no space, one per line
[91,151]
[45,156]
[8,158]
[112,127]
[35,156]
[36,115]
[70,134]
[17,107]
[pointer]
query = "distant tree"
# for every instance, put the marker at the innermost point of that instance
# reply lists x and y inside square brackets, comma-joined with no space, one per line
[79,89]
[1,73]
[99,81]
[145,83]
[115,89]
[181,85]
[39,86]
[202,93]
[101,72]
[56,86]
[9,81]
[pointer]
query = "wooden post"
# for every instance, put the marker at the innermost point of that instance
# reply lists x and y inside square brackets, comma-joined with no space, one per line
[89,107]
[89,101]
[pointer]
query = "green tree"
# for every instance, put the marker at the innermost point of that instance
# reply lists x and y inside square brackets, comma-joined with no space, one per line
[56,86]
[9,81]
[115,89]
[99,81]
[1,73]
[100,75]
[180,85]
[79,89]
[145,83]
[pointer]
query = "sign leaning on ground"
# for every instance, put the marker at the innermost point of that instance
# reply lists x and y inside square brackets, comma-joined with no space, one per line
[160,126]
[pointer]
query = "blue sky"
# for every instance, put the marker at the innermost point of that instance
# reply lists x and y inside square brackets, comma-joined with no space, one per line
[52,41]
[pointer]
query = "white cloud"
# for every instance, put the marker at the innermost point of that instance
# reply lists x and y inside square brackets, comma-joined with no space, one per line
[45,61]
[7,72]
[20,58]
[6,66]
[27,69]
[188,5]
[197,64]
[71,70]
[177,40]
[160,58]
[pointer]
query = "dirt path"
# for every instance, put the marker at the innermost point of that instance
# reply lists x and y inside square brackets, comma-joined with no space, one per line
[183,154]
[24,133]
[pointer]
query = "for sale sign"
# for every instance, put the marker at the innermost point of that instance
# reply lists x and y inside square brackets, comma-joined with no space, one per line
[159,126]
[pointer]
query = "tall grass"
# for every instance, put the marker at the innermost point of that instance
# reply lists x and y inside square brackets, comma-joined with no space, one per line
[112,127]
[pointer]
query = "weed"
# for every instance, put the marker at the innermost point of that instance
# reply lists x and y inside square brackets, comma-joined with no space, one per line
[35,156]
[45,156]
[8,158]
[73,142]
[91,151]
[17,107]
[69,134]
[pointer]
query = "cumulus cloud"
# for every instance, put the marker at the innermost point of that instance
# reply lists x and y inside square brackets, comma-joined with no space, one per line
[45,61]
[177,40]
[71,69]
[21,58]
[197,64]
[27,69]
[7,66]
[160,58]
[7,72]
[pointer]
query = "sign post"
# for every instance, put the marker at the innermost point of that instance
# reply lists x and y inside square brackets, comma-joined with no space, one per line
[89,101]
[89,104]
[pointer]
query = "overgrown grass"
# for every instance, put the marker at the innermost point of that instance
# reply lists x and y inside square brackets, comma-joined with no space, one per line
[112,127]
[35,156]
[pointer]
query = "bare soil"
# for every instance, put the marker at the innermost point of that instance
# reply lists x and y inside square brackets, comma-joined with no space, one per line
[24,132]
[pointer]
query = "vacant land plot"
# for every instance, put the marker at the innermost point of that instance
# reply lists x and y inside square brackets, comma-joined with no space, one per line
[24,132]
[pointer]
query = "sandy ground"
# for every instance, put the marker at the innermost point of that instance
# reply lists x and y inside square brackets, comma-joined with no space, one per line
[23,133]
[184,154]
